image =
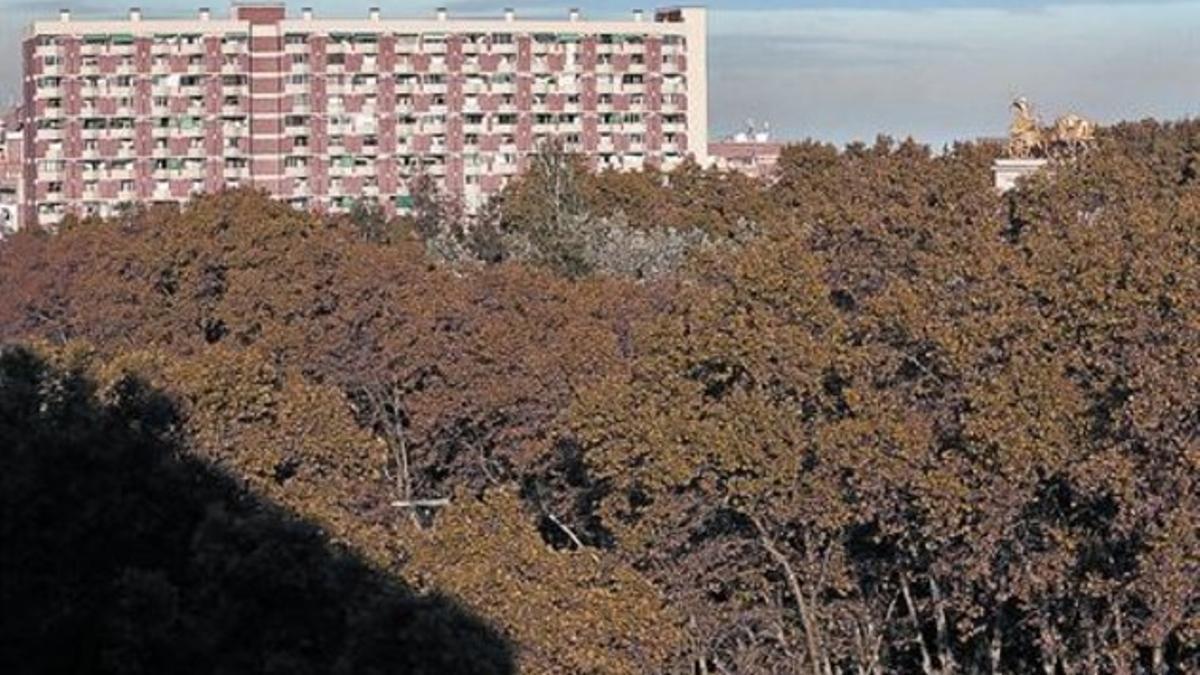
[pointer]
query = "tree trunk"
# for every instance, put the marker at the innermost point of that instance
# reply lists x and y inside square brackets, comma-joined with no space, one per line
[811,639]
[995,647]
[1158,664]
[926,660]
[945,651]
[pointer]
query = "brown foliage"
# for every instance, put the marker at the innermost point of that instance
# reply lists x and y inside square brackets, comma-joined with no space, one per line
[896,422]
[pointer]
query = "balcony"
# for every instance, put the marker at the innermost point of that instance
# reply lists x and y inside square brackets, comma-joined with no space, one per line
[50,218]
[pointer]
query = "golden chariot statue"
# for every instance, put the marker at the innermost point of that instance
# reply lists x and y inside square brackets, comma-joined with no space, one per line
[1069,136]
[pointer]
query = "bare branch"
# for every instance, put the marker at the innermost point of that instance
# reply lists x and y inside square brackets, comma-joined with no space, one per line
[422,503]
[571,534]
[806,619]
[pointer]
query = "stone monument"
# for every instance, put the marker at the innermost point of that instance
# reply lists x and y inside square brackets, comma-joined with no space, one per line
[1032,146]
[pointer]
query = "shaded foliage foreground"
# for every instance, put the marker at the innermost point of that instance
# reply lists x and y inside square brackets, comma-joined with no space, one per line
[869,417]
[122,555]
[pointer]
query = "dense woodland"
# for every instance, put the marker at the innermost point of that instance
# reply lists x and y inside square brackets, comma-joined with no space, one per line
[867,417]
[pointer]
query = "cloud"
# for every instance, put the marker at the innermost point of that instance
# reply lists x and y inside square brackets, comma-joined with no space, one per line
[622,6]
[762,53]
[845,69]
[49,8]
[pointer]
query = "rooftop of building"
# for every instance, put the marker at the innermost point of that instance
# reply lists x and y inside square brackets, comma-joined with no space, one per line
[242,12]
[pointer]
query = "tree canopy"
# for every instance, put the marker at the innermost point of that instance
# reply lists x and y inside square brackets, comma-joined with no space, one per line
[866,416]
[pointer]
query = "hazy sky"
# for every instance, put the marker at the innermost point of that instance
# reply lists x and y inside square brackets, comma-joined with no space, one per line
[934,69]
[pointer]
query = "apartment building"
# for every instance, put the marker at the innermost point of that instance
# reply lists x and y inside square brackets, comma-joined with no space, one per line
[322,112]
[12,143]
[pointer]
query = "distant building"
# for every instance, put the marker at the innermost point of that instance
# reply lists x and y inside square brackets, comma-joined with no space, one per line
[12,159]
[751,152]
[321,112]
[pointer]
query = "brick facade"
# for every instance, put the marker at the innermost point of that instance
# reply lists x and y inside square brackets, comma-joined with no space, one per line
[322,112]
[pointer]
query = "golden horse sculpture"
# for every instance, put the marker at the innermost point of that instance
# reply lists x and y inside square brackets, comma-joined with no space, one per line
[1070,135]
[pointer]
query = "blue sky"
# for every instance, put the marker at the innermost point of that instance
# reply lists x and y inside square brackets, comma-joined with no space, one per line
[934,69]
